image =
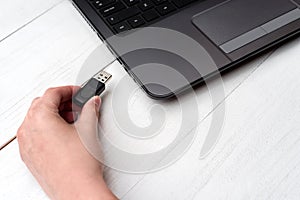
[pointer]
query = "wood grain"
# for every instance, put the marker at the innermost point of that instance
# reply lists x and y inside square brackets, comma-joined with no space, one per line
[14,15]
[38,57]
[255,158]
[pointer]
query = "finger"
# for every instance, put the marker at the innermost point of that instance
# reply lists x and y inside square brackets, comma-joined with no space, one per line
[90,112]
[87,126]
[69,106]
[69,116]
[56,96]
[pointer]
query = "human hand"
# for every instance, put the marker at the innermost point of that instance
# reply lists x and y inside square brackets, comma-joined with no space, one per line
[52,150]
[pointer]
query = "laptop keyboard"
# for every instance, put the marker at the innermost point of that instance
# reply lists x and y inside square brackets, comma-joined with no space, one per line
[122,15]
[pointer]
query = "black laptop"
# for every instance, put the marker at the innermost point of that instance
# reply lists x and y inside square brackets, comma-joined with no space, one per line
[228,32]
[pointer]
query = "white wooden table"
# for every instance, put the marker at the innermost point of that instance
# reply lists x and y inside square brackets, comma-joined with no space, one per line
[44,43]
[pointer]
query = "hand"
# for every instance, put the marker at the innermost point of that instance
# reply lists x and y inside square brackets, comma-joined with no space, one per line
[50,146]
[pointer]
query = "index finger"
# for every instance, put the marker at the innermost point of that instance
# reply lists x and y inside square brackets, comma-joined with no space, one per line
[56,96]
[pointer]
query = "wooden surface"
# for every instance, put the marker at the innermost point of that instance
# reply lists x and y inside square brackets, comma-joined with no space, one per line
[44,44]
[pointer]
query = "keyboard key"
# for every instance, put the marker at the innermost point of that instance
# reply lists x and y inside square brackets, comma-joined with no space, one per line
[131,2]
[123,15]
[145,5]
[157,2]
[182,3]
[101,3]
[166,8]
[136,21]
[121,27]
[112,9]
[150,15]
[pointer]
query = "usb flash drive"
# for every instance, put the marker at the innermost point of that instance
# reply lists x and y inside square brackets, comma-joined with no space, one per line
[95,86]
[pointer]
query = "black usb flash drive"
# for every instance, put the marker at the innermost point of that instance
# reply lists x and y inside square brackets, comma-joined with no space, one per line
[95,86]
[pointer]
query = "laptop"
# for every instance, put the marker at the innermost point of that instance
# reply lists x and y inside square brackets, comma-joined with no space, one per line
[227,33]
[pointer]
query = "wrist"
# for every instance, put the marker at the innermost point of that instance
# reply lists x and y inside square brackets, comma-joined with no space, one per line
[85,188]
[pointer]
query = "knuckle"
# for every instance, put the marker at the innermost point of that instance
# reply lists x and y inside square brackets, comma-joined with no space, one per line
[21,142]
[21,135]
[35,102]
[50,91]
[20,132]
[34,109]
[36,99]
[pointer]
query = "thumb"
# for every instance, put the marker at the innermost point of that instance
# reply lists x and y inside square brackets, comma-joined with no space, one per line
[87,126]
[90,113]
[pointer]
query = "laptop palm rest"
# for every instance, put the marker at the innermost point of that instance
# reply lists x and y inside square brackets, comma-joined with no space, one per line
[237,23]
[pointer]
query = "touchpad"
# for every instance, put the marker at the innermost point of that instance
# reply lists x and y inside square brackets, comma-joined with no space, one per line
[240,17]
